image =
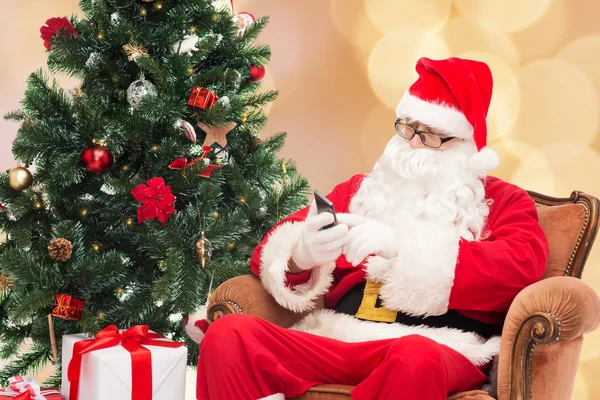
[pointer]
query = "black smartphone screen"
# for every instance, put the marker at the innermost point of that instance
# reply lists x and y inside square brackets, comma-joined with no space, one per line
[325,205]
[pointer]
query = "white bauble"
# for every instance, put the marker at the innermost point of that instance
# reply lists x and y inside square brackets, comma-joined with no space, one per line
[138,90]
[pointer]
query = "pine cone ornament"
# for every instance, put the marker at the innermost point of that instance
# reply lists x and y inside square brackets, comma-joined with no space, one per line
[5,282]
[60,249]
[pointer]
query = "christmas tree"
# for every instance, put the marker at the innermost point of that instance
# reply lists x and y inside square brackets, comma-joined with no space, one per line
[150,181]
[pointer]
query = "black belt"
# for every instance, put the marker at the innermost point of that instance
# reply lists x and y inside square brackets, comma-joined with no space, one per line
[350,303]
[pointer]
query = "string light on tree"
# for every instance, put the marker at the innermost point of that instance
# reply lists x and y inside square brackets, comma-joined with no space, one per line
[37,204]
[83,212]
[231,245]
[129,222]
[119,292]
[96,247]
[154,148]
[101,315]
[125,168]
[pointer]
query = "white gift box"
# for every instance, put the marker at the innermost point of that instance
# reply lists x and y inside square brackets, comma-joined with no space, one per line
[106,373]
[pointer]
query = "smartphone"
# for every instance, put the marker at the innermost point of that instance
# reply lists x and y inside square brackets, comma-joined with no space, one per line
[325,205]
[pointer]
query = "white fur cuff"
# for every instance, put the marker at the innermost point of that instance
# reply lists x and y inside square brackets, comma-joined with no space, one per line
[420,279]
[275,256]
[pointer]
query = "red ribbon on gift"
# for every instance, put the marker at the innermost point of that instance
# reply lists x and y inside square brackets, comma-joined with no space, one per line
[141,358]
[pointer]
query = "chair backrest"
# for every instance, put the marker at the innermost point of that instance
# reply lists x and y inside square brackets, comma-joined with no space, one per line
[570,226]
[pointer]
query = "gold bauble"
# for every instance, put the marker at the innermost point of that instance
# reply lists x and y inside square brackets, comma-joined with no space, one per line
[19,178]
[125,168]
[216,17]
[216,215]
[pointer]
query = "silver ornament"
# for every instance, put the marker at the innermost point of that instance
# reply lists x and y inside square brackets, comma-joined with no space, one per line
[138,90]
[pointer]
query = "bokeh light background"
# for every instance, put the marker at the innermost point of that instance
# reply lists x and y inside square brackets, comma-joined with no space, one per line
[341,67]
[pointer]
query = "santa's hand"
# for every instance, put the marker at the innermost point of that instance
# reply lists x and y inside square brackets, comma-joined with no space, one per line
[316,246]
[367,236]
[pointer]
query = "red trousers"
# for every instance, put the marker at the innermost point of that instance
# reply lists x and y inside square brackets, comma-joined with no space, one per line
[244,357]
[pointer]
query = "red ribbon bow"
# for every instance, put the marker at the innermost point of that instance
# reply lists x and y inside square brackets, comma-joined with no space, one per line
[141,358]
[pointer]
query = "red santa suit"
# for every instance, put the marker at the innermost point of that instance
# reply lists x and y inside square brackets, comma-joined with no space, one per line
[448,295]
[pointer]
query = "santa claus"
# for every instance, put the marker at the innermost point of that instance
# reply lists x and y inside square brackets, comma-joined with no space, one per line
[417,275]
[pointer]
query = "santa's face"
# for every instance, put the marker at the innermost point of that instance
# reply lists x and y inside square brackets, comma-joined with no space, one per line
[418,184]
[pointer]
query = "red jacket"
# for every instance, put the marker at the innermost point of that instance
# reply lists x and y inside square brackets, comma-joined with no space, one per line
[479,279]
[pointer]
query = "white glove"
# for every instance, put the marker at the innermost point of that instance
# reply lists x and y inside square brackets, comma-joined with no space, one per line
[319,247]
[367,236]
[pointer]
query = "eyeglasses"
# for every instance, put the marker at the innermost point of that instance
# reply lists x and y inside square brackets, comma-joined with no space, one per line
[429,139]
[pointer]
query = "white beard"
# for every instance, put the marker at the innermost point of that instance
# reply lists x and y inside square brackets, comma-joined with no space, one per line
[425,187]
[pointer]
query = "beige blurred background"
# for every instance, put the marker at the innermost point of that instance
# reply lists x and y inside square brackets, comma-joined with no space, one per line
[341,67]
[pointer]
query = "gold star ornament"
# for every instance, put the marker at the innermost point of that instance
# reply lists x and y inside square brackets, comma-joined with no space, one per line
[216,134]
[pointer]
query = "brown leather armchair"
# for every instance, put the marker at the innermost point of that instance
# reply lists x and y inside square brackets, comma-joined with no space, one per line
[544,328]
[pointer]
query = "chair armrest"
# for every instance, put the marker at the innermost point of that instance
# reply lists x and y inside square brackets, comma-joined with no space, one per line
[245,294]
[558,309]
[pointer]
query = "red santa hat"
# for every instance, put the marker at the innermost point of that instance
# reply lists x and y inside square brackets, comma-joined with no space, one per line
[453,95]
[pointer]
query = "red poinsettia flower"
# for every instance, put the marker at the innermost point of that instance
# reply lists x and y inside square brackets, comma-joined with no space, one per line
[53,25]
[157,200]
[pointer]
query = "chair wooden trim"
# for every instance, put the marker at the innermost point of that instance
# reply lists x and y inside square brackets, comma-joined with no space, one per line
[545,328]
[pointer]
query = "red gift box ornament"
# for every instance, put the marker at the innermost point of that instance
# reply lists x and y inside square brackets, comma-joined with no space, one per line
[132,340]
[27,388]
[202,98]
[67,307]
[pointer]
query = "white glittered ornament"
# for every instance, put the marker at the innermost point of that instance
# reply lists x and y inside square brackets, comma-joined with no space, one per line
[243,20]
[138,90]
[186,46]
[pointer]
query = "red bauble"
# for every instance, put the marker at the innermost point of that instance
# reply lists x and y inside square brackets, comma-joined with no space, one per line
[257,72]
[97,159]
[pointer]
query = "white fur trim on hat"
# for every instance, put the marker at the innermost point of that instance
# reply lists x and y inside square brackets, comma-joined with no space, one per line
[275,256]
[484,161]
[438,116]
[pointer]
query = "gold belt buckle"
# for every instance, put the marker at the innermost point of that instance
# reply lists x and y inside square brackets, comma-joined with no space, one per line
[367,309]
